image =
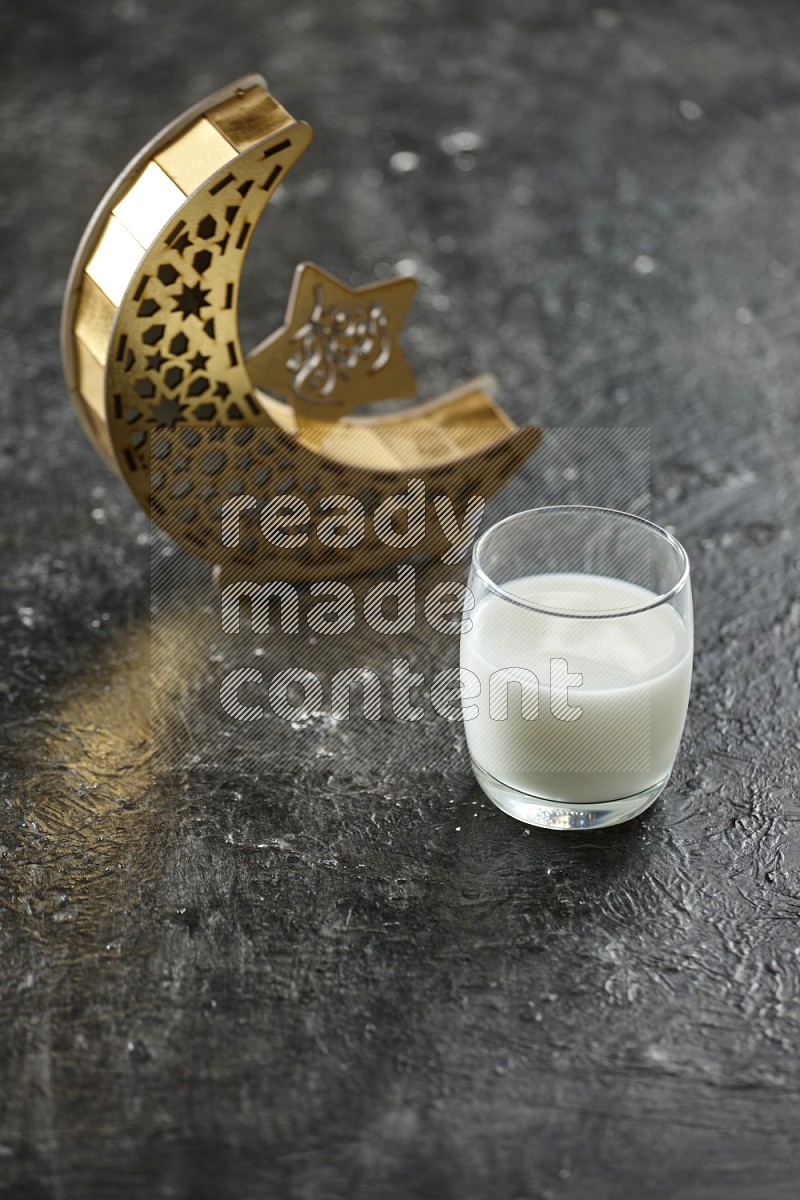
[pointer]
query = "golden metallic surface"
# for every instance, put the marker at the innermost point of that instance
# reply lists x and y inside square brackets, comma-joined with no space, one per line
[149,204]
[115,259]
[166,393]
[440,431]
[92,379]
[98,435]
[195,155]
[248,117]
[94,320]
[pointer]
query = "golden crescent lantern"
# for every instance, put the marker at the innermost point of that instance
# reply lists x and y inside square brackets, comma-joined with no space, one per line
[151,353]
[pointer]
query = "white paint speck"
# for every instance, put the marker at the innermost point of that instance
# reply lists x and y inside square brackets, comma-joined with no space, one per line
[460,141]
[643,264]
[317,184]
[744,316]
[690,110]
[407,266]
[99,515]
[404,161]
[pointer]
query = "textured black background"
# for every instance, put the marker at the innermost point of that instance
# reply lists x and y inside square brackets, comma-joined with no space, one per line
[346,976]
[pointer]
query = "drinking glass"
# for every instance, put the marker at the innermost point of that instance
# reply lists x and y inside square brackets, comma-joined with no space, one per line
[576,662]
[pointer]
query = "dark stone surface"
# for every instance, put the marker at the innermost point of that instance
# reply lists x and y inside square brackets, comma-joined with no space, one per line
[323,967]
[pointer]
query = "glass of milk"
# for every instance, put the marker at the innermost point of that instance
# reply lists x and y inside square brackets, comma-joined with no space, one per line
[576,661]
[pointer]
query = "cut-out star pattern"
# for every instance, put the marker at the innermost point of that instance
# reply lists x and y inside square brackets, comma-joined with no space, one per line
[191,301]
[167,412]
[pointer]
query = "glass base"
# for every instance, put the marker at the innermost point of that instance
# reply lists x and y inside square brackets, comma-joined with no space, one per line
[555,814]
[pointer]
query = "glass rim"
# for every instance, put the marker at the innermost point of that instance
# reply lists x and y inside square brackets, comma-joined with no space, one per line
[504,594]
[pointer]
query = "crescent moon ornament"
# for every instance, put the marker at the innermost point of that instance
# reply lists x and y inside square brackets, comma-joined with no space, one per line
[151,353]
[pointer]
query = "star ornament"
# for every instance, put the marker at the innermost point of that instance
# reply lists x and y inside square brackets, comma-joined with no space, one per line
[191,301]
[167,412]
[337,348]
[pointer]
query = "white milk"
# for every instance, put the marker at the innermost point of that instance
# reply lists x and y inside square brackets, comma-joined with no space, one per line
[634,693]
